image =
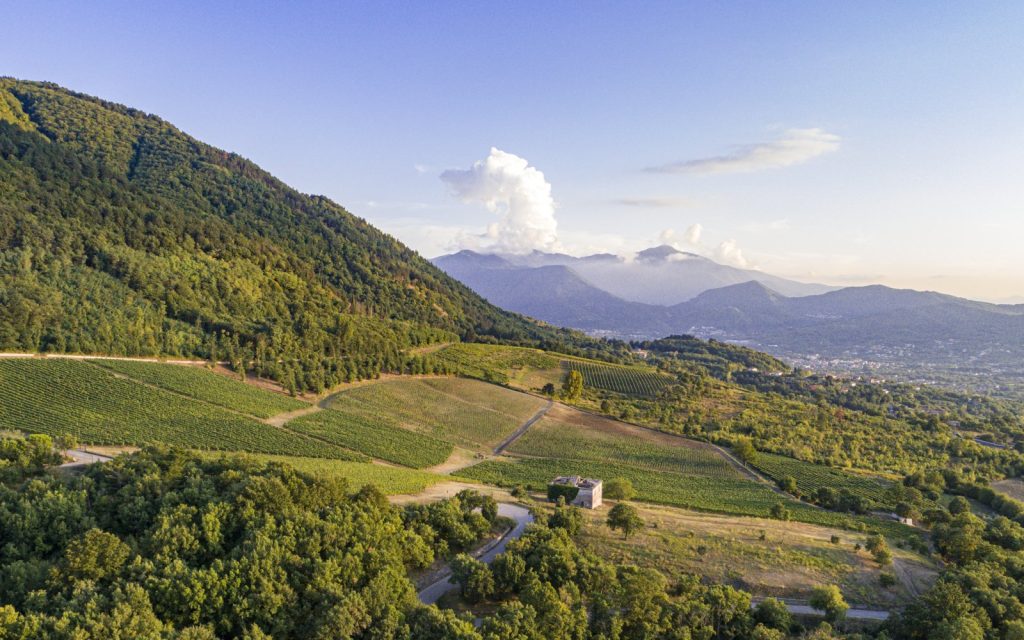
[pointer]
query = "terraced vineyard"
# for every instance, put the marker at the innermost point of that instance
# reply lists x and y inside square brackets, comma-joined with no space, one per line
[810,477]
[207,386]
[390,480]
[590,437]
[493,362]
[465,412]
[376,435]
[60,397]
[631,381]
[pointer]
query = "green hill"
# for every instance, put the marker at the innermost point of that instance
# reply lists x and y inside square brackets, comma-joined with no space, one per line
[120,234]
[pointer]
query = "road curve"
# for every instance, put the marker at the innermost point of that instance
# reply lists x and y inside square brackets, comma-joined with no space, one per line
[81,458]
[522,516]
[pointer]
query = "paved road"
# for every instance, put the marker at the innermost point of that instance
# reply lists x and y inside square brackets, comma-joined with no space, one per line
[81,458]
[522,429]
[522,516]
[852,614]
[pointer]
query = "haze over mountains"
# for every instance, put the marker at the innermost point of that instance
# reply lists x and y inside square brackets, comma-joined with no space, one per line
[665,291]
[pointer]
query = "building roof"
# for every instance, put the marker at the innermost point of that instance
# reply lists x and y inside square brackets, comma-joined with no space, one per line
[577,481]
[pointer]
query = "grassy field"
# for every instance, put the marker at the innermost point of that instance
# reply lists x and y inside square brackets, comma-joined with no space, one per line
[376,435]
[715,495]
[501,364]
[565,432]
[468,413]
[207,386]
[810,477]
[1013,487]
[630,381]
[390,480]
[60,397]
[790,560]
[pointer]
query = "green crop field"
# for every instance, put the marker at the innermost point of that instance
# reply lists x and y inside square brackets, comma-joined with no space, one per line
[719,495]
[567,433]
[630,381]
[390,480]
[207,386]
[468,413]
[376,435]
[60,397]
[492,362]
[810,477]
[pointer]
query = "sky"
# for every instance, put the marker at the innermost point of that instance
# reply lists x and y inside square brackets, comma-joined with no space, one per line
[846,143]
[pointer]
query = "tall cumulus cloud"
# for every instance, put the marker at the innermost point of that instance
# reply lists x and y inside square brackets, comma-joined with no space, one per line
[517,193]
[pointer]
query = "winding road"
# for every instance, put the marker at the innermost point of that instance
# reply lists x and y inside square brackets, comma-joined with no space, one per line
[432,593]
[81,458]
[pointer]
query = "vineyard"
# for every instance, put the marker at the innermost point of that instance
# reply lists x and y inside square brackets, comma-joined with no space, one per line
[810,477]
[630,381]
[465,412]
[591,437]
[390,480]
[718,495]
[376,435]
[60,397]
[492,362]
[206,386]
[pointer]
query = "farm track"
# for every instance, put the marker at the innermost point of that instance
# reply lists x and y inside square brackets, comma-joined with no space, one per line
[75,356]
[278,422]
[518,433]
[750,473]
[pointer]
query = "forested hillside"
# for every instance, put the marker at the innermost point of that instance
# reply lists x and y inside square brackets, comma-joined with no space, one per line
[120,234]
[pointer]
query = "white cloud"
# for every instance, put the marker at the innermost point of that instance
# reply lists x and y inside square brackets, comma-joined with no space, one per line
[666,202]
[689,237]
[693,233]
[795,146]
[508,186]
[729,253]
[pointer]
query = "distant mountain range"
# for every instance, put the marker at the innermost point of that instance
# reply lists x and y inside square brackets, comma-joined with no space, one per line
[664,291]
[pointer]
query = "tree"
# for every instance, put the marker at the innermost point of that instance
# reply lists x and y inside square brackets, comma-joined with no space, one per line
[548,390]
[625,517]
[744,449]
[788,484]
[475,580]
[779,511]
[958,505]
[761,632]
[567,517]
[878,547]
[512,620]
[572,387]
[773,613]
[907,510]
[94,556]
[619,489]
[830,600]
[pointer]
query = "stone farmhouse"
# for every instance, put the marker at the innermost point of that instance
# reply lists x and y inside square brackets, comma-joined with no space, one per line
[588,494]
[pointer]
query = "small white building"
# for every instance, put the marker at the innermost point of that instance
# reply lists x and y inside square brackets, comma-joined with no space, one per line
[589,490]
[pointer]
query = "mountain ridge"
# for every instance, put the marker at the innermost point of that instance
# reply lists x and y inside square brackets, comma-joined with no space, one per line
[121,234]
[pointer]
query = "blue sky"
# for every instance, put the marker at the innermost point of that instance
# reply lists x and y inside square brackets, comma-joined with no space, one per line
[841,142]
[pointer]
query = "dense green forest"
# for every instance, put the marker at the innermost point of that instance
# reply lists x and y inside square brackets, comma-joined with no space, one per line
[164,544]
[120,234]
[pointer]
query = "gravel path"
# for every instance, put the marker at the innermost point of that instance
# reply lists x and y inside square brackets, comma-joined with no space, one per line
[522,429]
